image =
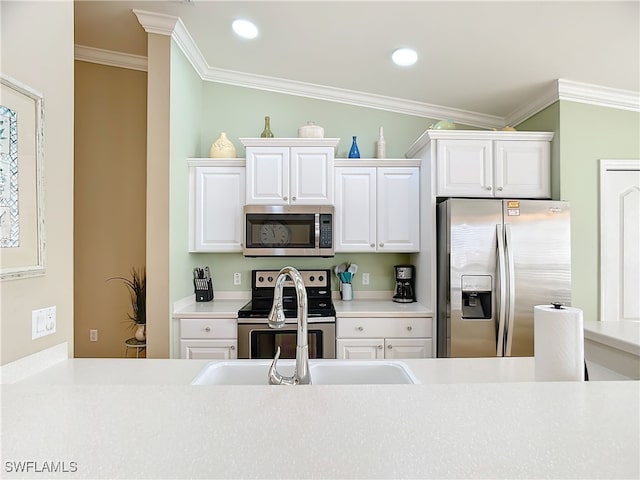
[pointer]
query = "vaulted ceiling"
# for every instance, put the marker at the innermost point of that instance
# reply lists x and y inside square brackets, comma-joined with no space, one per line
[489,58]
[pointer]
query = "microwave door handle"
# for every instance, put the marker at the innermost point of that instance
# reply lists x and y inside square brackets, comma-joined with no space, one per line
[317,227]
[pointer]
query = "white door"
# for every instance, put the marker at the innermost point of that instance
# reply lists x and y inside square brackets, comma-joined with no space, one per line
[360,348]
[522,169]
[217,213]
[407,348]
[398,209]
[267,175]
[355,209]
[464,168]
[620,239]
[312,175]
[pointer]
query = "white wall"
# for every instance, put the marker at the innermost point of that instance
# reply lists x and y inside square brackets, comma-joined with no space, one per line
[37,50]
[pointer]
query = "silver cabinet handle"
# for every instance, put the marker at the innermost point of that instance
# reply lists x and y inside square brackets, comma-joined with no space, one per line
[488,187]
[379,347]
[409,328]
[207,329]
[360,329]
[499,189]
[285,198]
[293,199]
[233,347]
[381,244]
[373,245]
[389,347]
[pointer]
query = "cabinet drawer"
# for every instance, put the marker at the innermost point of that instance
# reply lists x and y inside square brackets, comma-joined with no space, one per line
[208,328]
[367,327]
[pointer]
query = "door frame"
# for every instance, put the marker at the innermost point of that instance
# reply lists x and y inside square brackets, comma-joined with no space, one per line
[608,165]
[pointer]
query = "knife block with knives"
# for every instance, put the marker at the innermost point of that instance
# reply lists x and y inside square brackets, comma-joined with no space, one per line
[203,284]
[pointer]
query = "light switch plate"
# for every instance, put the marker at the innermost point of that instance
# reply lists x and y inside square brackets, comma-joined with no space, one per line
[43,322]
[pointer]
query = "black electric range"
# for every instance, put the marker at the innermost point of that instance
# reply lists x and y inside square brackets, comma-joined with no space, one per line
[318,286]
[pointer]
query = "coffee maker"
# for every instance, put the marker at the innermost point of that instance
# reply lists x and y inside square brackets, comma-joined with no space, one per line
[405,282]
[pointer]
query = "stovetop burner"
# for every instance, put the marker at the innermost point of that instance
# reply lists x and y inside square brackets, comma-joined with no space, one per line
[318,286]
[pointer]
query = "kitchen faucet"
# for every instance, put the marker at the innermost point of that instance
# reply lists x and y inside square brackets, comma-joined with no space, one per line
[276,320]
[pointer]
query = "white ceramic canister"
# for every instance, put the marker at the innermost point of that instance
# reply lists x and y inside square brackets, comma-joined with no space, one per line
[311,130]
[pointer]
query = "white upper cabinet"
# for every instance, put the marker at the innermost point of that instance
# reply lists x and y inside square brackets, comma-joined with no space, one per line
[289,171]
[216,200]
[492,164]
[377,209]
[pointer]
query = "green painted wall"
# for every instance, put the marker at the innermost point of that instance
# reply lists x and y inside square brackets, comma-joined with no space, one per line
[186,102]
[584,134]
[548,120]
[204,109]
[240,113]
[589,134]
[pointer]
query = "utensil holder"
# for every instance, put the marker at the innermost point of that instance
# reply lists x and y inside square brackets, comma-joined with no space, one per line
[203,289]
[347,291]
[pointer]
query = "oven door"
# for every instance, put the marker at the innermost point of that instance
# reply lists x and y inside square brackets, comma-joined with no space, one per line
[258,340]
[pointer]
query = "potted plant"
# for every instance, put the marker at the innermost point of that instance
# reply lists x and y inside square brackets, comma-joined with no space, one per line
[137,285]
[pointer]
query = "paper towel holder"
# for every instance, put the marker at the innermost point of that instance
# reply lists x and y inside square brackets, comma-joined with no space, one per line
[557,305]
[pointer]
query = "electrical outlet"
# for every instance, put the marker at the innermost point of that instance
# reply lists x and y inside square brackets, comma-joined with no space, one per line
[365,279]
[93,335]
[237,278]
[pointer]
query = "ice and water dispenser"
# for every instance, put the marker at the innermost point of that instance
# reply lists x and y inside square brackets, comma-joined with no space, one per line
[476,297]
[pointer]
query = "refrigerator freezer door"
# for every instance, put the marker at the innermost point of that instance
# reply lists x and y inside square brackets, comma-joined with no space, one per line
[467,254]
[539,252]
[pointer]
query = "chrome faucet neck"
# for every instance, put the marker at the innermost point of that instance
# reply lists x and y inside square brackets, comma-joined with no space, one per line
[277,320]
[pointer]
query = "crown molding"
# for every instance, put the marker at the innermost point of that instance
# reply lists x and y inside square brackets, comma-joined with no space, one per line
[110,58]
[173,26]
[597,95]
[158,23]
[578,92]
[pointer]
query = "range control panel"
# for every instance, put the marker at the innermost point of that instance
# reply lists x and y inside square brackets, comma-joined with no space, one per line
[312,278]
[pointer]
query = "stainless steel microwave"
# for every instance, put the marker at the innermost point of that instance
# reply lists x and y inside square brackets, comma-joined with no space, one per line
[288,230]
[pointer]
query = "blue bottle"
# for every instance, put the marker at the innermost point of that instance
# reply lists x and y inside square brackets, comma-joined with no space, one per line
[354,152]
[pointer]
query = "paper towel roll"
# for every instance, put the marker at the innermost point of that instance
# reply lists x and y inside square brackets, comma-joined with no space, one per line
[558,343]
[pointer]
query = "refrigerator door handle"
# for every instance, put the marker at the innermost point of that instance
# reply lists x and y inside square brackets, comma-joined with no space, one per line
[502,296]
[512,294]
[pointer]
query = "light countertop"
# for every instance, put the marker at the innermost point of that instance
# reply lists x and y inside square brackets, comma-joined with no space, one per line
[118,418]
[228,308]
[622,335]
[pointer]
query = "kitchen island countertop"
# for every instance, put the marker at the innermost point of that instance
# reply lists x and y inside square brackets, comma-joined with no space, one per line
[117,418]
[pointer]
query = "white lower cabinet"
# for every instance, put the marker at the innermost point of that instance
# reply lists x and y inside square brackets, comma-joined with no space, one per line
[371,338]
[208,338]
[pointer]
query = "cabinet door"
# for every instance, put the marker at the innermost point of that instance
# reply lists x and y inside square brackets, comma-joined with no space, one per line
[464,168]
[407,348]
[218,198]
[355,209]
[267,175]
[398,209]
[209,349]
[360,348]
[522,169]
[311,175]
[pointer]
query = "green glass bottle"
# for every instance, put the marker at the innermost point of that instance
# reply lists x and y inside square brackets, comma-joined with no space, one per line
[267,133]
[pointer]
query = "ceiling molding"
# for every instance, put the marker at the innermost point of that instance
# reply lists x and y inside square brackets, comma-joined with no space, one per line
[597,95]
[173,26]
[158,23]
[110,58]
[537,104]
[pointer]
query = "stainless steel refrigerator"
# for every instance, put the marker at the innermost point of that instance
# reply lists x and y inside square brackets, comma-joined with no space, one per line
[497,259]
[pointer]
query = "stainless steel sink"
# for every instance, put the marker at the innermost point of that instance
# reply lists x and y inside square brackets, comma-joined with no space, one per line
[323,372]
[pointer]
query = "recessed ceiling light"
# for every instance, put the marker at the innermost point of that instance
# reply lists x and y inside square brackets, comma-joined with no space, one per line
[404,57]
[245,28]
